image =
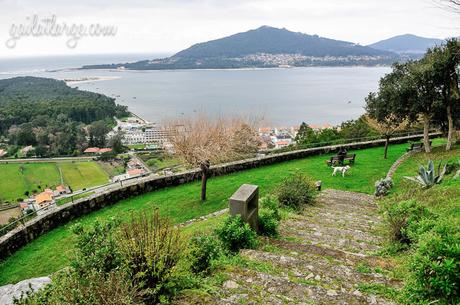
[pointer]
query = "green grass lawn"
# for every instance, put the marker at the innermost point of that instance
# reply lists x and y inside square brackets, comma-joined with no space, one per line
[81,175]
[14,182]
[182,203]
[112,168]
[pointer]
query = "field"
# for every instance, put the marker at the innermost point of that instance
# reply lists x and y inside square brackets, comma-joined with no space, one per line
[81,175]
[182,203]
[17,178]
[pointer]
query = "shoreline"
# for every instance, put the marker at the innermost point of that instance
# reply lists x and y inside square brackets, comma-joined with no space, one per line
[232,69]
[83,80]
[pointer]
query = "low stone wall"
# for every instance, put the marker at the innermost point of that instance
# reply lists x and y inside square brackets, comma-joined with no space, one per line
[22,235]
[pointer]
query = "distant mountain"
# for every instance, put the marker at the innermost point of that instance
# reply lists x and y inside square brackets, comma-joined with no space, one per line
[275,41]
[265,47]
[407,44]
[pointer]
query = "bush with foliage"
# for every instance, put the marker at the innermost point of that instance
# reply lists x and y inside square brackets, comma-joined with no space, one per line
[268,223]
[383,187]
[236,234]
[271,203]
[151,248]
[452,167]
[296,191]
[203,251]
[404,219]
[97,248]
[96,288]
[435,266]
[130,263]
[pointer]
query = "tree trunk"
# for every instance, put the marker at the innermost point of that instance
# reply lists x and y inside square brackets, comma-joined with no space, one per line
[387,143]
[450,132]
[204,178]
[426,131]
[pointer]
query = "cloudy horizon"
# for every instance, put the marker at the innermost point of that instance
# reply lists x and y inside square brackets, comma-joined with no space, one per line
[162,26]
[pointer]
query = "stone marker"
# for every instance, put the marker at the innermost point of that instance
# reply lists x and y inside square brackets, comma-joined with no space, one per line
[245,202]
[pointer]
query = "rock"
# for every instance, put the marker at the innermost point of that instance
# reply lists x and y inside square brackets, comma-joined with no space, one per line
[311,275]
[372,300]
[317,277]
[357,293]
[9,292]
[231,285]
[331,293]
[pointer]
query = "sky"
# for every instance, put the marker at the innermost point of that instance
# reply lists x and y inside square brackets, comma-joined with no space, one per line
[168,26]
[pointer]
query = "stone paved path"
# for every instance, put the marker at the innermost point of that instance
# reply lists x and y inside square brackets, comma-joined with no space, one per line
[324,256]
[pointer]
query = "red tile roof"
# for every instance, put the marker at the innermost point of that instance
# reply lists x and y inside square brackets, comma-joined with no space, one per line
[92,150]
[135,171]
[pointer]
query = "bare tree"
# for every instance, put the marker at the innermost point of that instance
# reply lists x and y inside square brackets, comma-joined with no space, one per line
[386,127]
[451,5]
[202,141]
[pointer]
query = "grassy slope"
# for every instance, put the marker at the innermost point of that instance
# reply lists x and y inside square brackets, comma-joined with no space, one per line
[443,199]
[182,203]
[14,183]
[78,175]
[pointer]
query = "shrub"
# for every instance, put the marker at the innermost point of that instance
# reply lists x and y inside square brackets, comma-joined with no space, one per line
[404,219]
[151,248]
[452,167]
[97,249]
[68,288]
[204,250]
[296,191]
[271,203]
[268,223]
[435,266]
[236,234]
[383,186]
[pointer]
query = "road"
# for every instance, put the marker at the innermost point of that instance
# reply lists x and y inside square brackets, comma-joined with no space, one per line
[61,159]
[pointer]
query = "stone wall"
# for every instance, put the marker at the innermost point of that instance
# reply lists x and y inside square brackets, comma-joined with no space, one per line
[22,235]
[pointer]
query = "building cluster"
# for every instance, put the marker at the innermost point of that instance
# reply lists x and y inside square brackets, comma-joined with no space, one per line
[45,200]
[136,131]
[279,137]
[287,60]
[133,169]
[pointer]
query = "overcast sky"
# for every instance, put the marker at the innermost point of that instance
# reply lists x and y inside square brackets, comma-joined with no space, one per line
[159,26]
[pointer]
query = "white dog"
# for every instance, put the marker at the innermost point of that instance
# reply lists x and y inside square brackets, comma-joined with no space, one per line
[340,169]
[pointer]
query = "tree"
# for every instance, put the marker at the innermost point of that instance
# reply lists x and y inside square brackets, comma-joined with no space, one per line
[387,109]
[305,135]
[355,129]
[425,97]
[387,127]
[116,143]
[202,141]
[97,133]
[445,61]
[451,5]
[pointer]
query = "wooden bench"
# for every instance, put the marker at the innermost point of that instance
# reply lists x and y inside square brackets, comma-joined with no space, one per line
[416,146]
[338,160]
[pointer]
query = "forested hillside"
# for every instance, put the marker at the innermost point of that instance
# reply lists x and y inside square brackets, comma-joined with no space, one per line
[51,116]
[24,99]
